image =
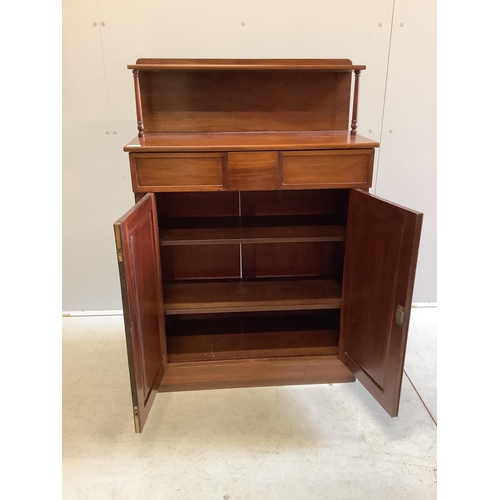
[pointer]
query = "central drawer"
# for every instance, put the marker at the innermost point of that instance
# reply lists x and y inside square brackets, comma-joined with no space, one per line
[252,171]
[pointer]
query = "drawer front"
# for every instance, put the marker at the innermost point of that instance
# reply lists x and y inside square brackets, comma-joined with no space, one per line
[325,169]
[178,171]
[252,171]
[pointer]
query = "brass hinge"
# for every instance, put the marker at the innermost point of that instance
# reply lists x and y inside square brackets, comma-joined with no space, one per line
[118,238]
[400,315]
[136,419]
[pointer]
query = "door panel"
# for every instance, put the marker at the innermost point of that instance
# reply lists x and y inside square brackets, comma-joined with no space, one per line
[381,254]
[136,235]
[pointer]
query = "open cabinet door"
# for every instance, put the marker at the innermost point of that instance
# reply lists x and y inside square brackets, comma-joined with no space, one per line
[380,260]
[138,251]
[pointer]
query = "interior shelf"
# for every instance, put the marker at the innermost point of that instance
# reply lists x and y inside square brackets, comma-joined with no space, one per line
[209,236]
[247,296]
[156,64]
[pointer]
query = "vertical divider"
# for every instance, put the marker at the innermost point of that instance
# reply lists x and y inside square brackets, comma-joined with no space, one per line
[241,261]
[241,249]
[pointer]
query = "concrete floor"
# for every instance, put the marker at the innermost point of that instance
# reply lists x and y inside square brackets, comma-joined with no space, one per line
[298,442]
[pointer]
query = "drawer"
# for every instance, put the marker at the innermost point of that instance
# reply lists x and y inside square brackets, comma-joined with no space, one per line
[325,169]
[252,171]
[178,171]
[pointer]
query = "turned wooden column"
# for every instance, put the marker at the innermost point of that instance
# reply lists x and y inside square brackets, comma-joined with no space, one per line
[138,103]
[354,122]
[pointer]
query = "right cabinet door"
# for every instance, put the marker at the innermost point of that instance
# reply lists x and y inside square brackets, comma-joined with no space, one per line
[380,260]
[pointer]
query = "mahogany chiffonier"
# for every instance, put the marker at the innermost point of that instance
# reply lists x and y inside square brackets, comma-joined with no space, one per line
[255,255]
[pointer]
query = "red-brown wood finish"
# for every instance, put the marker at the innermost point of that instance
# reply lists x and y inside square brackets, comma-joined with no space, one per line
[249,372]
[227,233]
[277,266]
[258,335]
[138,103]
[245,296]
[252,171]
[200,261]
[178,172]
[250,345]
[236,100]
[250,141]
[292,259]
[303,202]
[137,244]
[158,64]
[325,169]
[381,255]
[198,204]
[354,121]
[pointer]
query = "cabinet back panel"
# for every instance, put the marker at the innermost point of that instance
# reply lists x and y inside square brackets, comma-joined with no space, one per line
[242,336]
[200,261]
[287,259]
[306,202]
[227,203]
[216,204]
[244,101]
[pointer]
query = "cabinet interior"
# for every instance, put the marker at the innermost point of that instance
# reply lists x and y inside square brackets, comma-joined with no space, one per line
[252,274]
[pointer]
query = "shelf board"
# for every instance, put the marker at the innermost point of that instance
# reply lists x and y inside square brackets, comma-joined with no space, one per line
[260,335]
[237,141]
[198,375]
[251,345]
[247,296]
[145,64]
[266,234]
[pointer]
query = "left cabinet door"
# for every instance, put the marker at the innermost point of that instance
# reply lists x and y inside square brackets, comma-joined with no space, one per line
[138,251]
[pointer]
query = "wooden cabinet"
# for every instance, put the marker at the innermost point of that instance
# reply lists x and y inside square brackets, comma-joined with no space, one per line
[254,255]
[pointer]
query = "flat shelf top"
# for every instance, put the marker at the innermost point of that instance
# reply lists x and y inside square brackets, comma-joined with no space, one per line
[230,235]
[245,296]
[146,64]
[237,141]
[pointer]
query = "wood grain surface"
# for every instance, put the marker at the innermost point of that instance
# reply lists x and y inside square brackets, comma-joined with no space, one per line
[197,375]
[240,296]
